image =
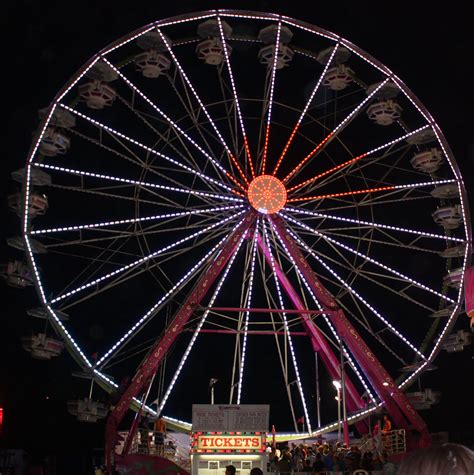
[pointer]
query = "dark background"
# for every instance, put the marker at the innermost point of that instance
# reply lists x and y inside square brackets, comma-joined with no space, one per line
[44,43]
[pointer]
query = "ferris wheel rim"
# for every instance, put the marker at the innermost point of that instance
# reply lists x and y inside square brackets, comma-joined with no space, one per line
[234,14]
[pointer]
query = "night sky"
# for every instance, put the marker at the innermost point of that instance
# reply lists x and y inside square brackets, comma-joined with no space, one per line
[430,49]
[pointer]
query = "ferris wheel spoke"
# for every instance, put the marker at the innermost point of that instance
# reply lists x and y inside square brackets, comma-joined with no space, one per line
[165,140]
[199,126]
[201,104]
[200,325]
[135,272]
[356,294]
[305,110]
[279,328]
[143,259]
[270,100]
[353,232]
[248,304]
[334,133]
[359,272]
[156,217]
[389,188]
[371,260]
[236,100]
[339,168]
[144,184]
[123,234]
[391,240]
[116,133]
[138,325]
[148,167]
[178,130]
[364,169]
[285,321]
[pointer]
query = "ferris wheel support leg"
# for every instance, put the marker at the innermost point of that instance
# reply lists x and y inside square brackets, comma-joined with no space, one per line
[161,346]
[394,399]
[318,342]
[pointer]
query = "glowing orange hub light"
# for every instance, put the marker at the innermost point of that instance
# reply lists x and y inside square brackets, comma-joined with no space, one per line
[267,194]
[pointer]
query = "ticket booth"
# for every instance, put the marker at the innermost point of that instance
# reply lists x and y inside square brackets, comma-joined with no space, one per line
[228,435]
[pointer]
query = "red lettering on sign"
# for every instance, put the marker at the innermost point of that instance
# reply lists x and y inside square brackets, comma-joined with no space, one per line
[255,442]
[227,442]
[205,440]
[238,443]
[218,442]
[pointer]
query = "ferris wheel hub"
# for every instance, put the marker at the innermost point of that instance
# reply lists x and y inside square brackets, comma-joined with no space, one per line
[267,194]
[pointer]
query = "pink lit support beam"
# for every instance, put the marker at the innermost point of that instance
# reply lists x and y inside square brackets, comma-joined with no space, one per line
[400,409]
[318,341]
[161,346]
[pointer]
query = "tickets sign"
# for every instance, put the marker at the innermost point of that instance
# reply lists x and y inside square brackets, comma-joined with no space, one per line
[227,442]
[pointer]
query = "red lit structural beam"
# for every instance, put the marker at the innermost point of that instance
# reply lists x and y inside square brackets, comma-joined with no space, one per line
[161,346]
[251,332]
[262,310]
[397,404]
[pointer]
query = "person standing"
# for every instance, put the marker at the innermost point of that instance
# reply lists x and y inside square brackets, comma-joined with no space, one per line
[387,425]
[159,435]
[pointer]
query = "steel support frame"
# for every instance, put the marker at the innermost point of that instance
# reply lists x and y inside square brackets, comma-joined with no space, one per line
[156,354]
[397,404]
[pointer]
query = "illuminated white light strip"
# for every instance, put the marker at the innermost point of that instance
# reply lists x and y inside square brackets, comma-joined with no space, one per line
[364,256]
[168,119]
[135,220]
[354,111]
[234,91]
[115,385]
[136,182]
[360,157]
[316,301]
[201,323]
[426,183]
[318,84]
[287,330]
[350,47]
[338,127]
[227,14]
[65,333]
[435,348]
[400,85]
[162,23]
[144,259]
[147,315]
[372,224]
[394,141]
[145,147]
[467,231]
[248,304]
[328,35]
[272,89]
[188,82]
[348,287]
[113,48]
[60,98]
[68,336]
[306,107]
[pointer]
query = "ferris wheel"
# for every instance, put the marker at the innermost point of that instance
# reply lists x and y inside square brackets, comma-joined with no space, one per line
[246,191]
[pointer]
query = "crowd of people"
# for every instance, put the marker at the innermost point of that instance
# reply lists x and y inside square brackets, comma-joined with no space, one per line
[322,457]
